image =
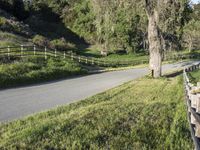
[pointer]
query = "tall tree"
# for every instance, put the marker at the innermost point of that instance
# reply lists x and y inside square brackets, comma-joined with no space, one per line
[154,38]
[163,16]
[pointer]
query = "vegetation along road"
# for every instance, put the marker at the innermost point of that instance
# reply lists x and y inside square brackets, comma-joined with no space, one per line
[19,102]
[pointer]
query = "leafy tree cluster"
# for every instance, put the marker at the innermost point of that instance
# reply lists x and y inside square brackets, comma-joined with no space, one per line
[113,24]
[191,31]
[122,24]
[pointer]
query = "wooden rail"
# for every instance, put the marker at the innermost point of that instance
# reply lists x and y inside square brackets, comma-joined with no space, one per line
[24,51]
[33,50]
[193,105]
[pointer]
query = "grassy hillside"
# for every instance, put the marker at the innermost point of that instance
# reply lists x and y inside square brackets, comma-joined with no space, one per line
[131,116]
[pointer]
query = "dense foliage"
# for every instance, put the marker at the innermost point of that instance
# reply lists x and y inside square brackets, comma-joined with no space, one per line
[191,36]
[114,24]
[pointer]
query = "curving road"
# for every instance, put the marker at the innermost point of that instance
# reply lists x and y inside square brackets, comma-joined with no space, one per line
[19,102]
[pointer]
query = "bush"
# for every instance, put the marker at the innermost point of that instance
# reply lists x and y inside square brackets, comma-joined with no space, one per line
[2,21]
[36,69]
[61,44]
[40,40]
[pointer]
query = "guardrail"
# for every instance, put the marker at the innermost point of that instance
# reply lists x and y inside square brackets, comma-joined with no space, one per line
[193,105]
[24,51]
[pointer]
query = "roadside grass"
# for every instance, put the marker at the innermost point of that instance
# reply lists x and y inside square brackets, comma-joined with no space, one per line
[141,114]
[194,76]
[36,69]
[125,57]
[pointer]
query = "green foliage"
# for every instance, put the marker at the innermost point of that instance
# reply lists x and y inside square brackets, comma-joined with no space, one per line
[196,12]
[191,36]
[2,21]
[132,116]
[61,44]
[40,40]
[115,25]
[194,76]
[10,39]
[80,17]
[36,69]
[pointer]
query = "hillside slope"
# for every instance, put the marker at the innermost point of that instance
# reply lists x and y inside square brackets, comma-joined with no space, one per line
[38,30]
[12,31]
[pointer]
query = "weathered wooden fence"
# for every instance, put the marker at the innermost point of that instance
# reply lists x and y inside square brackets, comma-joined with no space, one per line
[193,105]
[25,51]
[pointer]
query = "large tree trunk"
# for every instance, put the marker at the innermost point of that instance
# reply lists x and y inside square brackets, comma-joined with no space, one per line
[155,48]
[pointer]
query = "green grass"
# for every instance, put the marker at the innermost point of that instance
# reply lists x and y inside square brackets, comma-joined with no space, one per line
[142,114]
[10,39]
[36,69]
[194,76]
[131,59]
[125,57]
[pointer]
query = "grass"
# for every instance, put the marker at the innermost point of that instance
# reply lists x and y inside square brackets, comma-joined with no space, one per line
[142,114]
[36,69]
[125,57]
[133,59]
[194,76]
[10,39]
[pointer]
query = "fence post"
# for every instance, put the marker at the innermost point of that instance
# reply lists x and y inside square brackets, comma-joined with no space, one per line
[64,55]
[193,100]
[197,130]
[8,52]
[34,49]
[45,52]
[72,57]
[79,58]
[192,119]
[22,49]
[86,60]
[55,53]
[198,103]
[152,73]
[92,61]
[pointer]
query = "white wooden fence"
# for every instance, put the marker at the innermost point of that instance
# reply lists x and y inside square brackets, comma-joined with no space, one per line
[25,51]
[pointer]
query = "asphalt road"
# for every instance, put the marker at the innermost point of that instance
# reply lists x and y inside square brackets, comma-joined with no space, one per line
[19,102]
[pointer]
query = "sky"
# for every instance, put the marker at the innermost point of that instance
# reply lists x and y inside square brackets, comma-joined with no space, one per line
[195,1]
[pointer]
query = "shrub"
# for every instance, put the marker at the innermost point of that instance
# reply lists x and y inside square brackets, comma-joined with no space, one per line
[2,21]
[61,44]
[36,69]
[40,40]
